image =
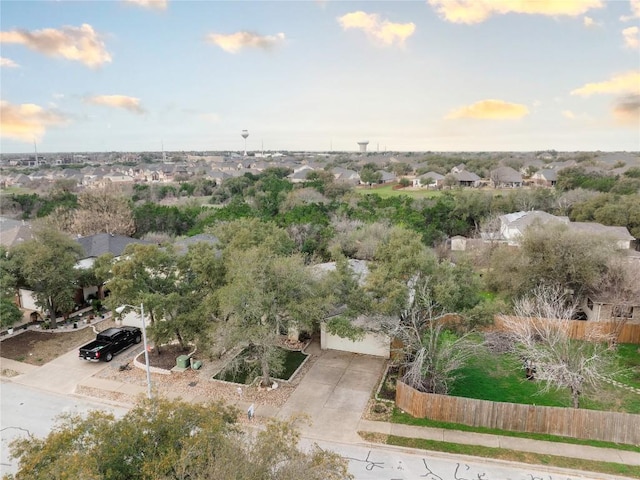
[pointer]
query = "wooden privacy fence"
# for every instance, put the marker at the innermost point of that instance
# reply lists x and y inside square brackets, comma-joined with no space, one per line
[566,422]
[584,329]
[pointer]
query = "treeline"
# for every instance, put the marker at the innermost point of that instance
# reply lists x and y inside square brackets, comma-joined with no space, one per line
[312,205]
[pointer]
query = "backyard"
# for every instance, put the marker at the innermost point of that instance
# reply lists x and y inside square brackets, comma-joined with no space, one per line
[501,378]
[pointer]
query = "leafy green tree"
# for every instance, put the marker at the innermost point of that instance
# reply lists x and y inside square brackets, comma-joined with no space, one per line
[9,272]
[370,176]
[398,261]
[47,266]
[170,440]
[173,288]
[265,295]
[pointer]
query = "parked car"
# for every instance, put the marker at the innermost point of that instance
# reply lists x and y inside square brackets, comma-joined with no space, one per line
[110,342]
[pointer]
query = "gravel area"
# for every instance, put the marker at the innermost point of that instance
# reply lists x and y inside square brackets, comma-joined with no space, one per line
[194,384]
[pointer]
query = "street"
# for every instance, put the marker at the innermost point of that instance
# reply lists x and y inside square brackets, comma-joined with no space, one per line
[26,410]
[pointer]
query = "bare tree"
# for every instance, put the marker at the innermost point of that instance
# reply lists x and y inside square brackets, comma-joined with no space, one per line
[541,328]
[431,355]
[104,210]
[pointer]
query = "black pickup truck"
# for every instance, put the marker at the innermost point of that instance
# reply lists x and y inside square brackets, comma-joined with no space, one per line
[109,342]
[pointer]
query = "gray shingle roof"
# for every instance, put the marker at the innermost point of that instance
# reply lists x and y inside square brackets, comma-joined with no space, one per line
[96,245]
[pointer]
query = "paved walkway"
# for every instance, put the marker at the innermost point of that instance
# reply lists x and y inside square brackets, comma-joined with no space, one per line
[333,394]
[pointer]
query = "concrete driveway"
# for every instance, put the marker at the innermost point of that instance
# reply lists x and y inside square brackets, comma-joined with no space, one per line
[334,394]
[64,373]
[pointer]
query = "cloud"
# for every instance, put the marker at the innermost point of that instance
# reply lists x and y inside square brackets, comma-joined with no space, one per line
[235,42]
[631,37]
[210,117]
[588,22]
[477,11]
[117,101]
[27,122]
[634,6]
[380,31]
[624,83]
[627,110]
[153,4]
[8,63]
[81,44]
[569,114]
[490,110]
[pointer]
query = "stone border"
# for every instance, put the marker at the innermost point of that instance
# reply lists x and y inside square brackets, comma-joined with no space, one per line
[293,375]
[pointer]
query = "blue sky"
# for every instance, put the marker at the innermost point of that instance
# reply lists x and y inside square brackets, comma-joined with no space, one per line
[432,75]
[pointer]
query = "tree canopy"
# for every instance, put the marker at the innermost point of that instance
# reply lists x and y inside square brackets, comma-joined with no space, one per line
[171,440]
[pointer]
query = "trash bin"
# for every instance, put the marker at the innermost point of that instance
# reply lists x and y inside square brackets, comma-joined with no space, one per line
[182,361]
[196,365]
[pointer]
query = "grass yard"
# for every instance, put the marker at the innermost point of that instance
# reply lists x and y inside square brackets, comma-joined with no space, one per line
[500,378]
[387,191]
[630,364]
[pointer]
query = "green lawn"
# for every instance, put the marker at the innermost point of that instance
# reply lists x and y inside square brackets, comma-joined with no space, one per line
[630,364]
[386,191]
[500,378]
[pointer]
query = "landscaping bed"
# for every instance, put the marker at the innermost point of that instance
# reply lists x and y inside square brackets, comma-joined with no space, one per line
[37,347]
[245,367]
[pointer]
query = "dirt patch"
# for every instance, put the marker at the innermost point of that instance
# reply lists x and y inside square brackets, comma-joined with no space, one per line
[166,359]
[39,347]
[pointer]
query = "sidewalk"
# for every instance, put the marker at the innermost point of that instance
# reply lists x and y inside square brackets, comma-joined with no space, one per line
[327,395]
[584,452]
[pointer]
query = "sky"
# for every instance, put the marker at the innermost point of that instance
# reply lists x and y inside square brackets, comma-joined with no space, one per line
[429,75]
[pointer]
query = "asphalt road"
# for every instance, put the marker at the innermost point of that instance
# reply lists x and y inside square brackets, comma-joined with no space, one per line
[27,410]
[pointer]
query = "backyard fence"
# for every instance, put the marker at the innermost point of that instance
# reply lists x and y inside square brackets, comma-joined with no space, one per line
[585,330]
[566,422]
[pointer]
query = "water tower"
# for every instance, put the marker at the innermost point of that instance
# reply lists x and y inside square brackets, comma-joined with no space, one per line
[245,134]
[363,146]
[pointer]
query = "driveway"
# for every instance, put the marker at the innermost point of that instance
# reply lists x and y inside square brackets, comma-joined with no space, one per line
[334,394]
[64,373]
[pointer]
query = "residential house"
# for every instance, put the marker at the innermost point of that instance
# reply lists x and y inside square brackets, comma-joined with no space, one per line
[429,180]
[513,225]
[545,178]
[13,232]
[506,177]
[345,175]
[620,237]
[94,246]
[374,341]
[466,179]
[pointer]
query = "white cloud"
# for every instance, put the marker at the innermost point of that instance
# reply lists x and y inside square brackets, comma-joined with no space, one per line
[235,42]
[81,44]
[152,4]
[210,117]
[569,114]
[131,104]
[27,122]
[624,83]
[589,22]
[477,11]
[634,6]
[631,37]
[380,31]
[490,109]
[8,63]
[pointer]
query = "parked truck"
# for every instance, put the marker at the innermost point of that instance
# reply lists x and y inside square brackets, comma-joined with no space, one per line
[110,342]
